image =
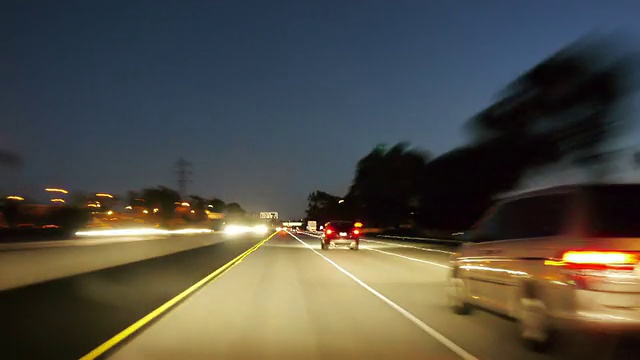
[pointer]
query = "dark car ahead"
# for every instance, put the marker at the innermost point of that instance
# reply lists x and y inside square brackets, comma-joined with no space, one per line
[340,233]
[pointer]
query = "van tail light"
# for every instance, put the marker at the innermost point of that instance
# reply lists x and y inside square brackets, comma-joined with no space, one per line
[588,267]
[599,260]
[356,232]
[329,231]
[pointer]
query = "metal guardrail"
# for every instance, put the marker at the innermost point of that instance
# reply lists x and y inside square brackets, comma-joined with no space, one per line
[451,241]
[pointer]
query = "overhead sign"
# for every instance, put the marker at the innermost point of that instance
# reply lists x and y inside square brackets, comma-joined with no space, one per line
[268,215]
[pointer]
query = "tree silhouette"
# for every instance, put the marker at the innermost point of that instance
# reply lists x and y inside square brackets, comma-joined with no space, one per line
[234,211]
[570,103]
[567,108]
[162,198]
[323,207]
[385,189]
[216,205]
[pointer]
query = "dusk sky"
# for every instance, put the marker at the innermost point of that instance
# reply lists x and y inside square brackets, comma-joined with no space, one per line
[269,100]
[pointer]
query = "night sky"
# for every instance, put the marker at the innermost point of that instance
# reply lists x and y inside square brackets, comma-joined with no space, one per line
[269,100]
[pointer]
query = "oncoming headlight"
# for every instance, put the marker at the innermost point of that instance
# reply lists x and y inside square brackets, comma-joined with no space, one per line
[235,229]
[260,229]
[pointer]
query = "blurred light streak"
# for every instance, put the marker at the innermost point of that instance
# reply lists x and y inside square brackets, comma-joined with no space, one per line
[58,200]
[56,190]
[104,195]
[141,231]
[242,229]
[15,197]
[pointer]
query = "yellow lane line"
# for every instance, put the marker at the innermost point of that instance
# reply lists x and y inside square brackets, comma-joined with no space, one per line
[109,344]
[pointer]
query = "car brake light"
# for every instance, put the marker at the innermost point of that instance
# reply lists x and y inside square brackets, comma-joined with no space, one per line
[329,231]
[356,232]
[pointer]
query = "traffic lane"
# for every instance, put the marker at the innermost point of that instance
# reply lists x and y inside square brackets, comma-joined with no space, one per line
[283,302]
[420,288]
[433,249]
[436,257]
[66,318]
[570,345]
[31,266]
[430,253]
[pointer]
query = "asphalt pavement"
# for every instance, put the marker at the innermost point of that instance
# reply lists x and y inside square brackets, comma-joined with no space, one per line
[287,299]
[291,300]
[67,317]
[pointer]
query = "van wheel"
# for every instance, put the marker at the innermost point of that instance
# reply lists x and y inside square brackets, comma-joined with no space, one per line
[534,325]
[457,296]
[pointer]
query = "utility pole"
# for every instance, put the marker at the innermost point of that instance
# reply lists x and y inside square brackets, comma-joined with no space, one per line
[183,170]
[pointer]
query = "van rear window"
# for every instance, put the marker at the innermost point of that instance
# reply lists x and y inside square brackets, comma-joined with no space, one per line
[615,211]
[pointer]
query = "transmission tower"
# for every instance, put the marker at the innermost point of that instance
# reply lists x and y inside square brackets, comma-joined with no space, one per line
[183,170]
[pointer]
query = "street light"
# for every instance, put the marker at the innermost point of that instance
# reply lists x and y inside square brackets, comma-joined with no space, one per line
[340,201]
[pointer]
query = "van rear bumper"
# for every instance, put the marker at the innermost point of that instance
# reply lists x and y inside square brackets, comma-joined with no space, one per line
[603,311]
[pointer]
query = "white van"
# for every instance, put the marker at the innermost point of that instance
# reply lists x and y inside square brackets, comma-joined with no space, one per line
[563,258]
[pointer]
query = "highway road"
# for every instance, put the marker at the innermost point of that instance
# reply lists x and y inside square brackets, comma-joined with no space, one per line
[285,299]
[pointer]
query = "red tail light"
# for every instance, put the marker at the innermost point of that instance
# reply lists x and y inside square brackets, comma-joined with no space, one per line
[588,268]
[356,232]
[328,231]
[590,259]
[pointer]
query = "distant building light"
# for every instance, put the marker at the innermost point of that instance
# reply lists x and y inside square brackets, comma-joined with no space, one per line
[109,212]
[104,195]
[58,200]
[156,210]
[145,211]
[185,204]
[128,207]
[193,211]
